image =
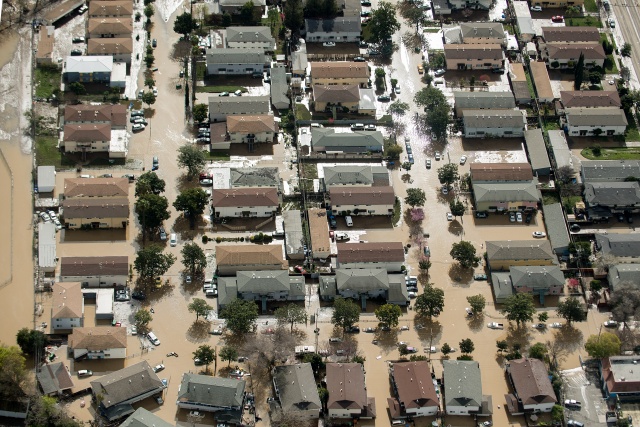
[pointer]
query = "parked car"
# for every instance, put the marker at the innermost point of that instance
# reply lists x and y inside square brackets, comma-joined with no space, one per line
[357,126]
[238,93]
[420,69]
[528,218]
[445,190]
[78,40]
[440,72]
[556,325]
[359,59]
[154,43]
[480,277]
[384,98]
[223,94]
[611,22]
[397,89]
[137,113]
[428,163]
[540,325]
[437,155]
[463,160]
[518,216]
[449,216]
[76,52]
[512,217]
[370,127]
[137,127]
[216,332]
[536,8]
[481,214]
[83,9]
[138,295]
[45,217]
[365,3]
[557,18]
[328,44]
[158,368]
[610,324]
[539,234]
[84,373]
[134,330]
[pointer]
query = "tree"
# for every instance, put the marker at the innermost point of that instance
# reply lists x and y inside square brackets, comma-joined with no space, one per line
[149,82]
[184,24]
[581,251]
[389,314]
[191,158]
[414,15]
[315,360]
[149,98]
[206,354]
[424,265]
[149,11]
[200,112]
[45,411]
[579,73]
[143,317]
[477,303]
[604,345]
[229,354]
[571,310]
[329,9]
[403,349]
[437,109]
[625,301]
[200,307]
[346,313]
[393,151]
[448,174]
[313,9]
[151,262]
[13,373]
[77,88]
[595,77]
[294,18]
[465,253]
[445,349]
[291,314]
[383,25]
[543,317]
[538,351]
[502,345]
[557,413]
[519,308]
[466,346]
[398,108]
[193,258]
[31,341]
[152,211]
[149,183]
[626,50]
[457,208]
[565,174]
[192,202]
[247,13]
[415,197]
[431,302]
[241,315]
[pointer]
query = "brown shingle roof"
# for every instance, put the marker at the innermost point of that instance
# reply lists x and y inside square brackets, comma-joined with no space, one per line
[99,26]
[45,44]
[244,197]
[571,34]
[591,51]
[346,386]
[415,385]
[108,46]
[110,8]
[87,113]
[370,252]
[88,132]
[99,338]
[474,51]
[531,381]
[541,79]
[501,172]
[339,70]
[249,254]
[250,124]
[67,300]
[590,98]
[96,187]
[96,208]
[94,265]
[344,195]
[336,93]
[319,230]
[118,115]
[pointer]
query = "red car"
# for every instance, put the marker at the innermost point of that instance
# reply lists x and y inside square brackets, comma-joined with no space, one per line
[557,18]
[300,270]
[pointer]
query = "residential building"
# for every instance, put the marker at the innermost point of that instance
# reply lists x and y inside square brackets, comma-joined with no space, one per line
[363,284]
[538,281]
[110,9]
[350,8]
[560,149]
[559,3]
[533,392]
[279,88]
[102,188]
[563,55]
[590,98]
[473,56]
[620,378]
[61,10]
[503,254]
[103,342]
[246,129]
[44,50]
[340,96]
[354,176]
[483,33]
[493,123]
[386,255]
[47,258]
[296,390]
[250,38]
[541,81]
[222,396]
[462,383]
[245,202]
[236,61]
[483,101]
[294,240]
[260,286]
[362,200]
[338,30]
[620,274]
[253,177]
[87,69]
[556,225]
[617,197]
[143,418]
[46,179]
[501,285]
[319,233]
[118,48]
[117,28]
[233,258]
[222,106]
[95,272]
[340,73]
[609,170]
[520,9]
[519,83]
[607,121]
[445,7]
[120,389]
[86,213]
[86,138]
[67,306]
[623,248]
[415,393]
[299,61]
[114,115]
[327,140]
[234,6]
[565,34]
[500,172]
[348,392]
[506,196]
[367,104]
[537,151]
[54,379]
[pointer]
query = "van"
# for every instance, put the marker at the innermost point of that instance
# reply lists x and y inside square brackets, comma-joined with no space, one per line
[153,338]
[173,239]
[349,221]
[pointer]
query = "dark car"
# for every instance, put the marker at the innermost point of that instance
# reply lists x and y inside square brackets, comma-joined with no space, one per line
[365,3]
[528,218]
[497,70]
[575,228]
[480,277]
[139,295]
[359,59]
[353,330]
[76,52]
[129,176]
[481,215]
[384,98]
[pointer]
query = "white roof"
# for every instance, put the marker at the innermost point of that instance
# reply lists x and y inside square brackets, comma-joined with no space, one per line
[104,301]
[46,178]
[119,72]
[88,64]
[119,141]
[47,257]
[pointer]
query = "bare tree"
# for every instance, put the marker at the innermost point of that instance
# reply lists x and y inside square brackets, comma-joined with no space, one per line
[289,418]
[268,350]
[625,301]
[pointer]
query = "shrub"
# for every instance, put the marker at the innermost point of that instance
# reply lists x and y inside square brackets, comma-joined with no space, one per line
[205,239]
[218,239]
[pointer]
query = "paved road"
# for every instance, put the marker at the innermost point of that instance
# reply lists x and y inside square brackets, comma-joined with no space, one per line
[627,16]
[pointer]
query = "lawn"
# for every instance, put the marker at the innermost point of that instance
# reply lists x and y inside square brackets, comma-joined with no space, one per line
[551,125]
[591,5]
[218,155]
[47,80]
[201,70]
[549,198]
[618,153]
[216,89]
[613,69]
[47,153]
[431,30]
[587,21]
[530,84]
[302,112]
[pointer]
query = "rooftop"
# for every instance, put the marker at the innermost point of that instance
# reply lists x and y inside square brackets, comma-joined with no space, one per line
[110,8]
[88,64]
[590,98]
[249,35]
[621,374]
[591,51]
[229,255]
[244,197]
[336,93]
[119,25]
[67,300]
[571,34]
[117,207]
[224,56]
[54,378]
[536,277]
[619,245]
[601,116]
[370,252]
[519,250]
[346,386]
[296,387]
[98,338]
[525,191]
[361,280]
[228,105]
[476,51]
[531,381]
[211,391]
[327,137]
[484,100]
[126,384]
[556,226]
[245,124]
[96,187]
[336,25]
[612,194]
[339,70]
[265,282]
[254,177]
[88,132]
[414,384]
[143,418]
[462,383]
[319,231]
[482,30]
[493,118]
[541,79]
[501,172]
[108,46]
[345,195]
[609,170]
[537,151]
[92,265]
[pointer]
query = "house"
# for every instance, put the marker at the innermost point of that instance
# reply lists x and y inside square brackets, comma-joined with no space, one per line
[327,140]
[415,393]
[46,179]
[116,28]
[537,151]
[617,197]
[143,418]
[462,385]
[102,188]
[500,172]
[609,170]
[519,83]
[367,104]
[244,202]
[348,392]
[235,61]
[62,10]
[362,200]
[354,175]
[483,101]
[563,55]
[260,286]
[493,123]
[386,255]
[445,7]
[294,241]
[110,9]
[120,49]
[339,30]
[95,272]
[85,69]
[249,38]
[620,274]
[222,106]
[506,196]
[483,33]
[114,115]
[85,213]
[103,342]
[520,9]
[254,177]
[47,258]
[44,50]
[590,98]
[67,306]
[560,149]
[365,283]
[247,129]
[279,88]
[623,248]
[541,81]
[299,61]
[340,73]
[559,3]
[54,379]
[296,390]
[222,396]
[120,389]
[532,388]
[607,121]
[537,280]
[620,382]
[233,6]
[233,258]
[503,254]
[556,225]
[344,97]
[571,34]
[319,233]
[86,137]
[501,285]
[482,56]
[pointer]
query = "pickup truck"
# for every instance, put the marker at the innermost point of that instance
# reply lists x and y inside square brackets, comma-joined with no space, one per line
[495,325]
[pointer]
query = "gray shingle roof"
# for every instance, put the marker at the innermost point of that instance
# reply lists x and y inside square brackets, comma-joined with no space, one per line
[612,194]
[486,51]
[609,170]
[601,116]
[462,383]
[519,250]
[337,25]
[326,137]
[254,177]
[211,391]
[268,281]
[590,98]
[235,56]
[560,147]
[362,279]
[537,150]
[506,192]
[238,105]
[54,378]
[571,34]
[623,273]
[144,418]
[88,64]
[227,290]
[296,387]
[493,118]
[482,100]
[482,29]
[279,87]
[619,245]
[249,34]
[126,383]
[536,277]
[348,174]
[502,287]
[556,226]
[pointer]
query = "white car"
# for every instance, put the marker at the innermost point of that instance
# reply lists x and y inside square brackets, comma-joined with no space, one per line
[57,223]
[134,330]
[45,217]
[445,190]
[463,160]
[449,216]
[158,368]
[397,89]
[518,217]
[155,91]
[539,234]
[328,44]
[536,8]
[610,324]
[137,127]
[556,325]
[52,215]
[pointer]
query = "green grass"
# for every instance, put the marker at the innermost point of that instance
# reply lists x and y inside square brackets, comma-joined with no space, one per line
[47,153]
[302,112]
[201,70]
[431,30]
[366,33]
[222,155]
[395,218]
[587,21]
[613,69]
[618,153]
[532,92]
[551,125]
[590,5]
[385,120]
[549,198]
[215,89]
[47,80]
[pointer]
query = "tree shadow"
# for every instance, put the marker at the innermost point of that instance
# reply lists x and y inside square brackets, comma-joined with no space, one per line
[567,339]
[518,335]
[460,276]
[183,183]
[431,333]
[180,50]
[198,331]
[455,228]
[476,322]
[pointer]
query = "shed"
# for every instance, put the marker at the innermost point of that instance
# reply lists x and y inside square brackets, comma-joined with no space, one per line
[541,81]
[537,151]
[293,234]
[279,88]
[47,258]
[560,149]
[519,83]
[556,226]
[46,179]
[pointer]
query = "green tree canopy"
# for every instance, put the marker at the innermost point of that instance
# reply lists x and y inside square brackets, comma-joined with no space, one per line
[149,98]
[206,354]
[579,73]
[477,303]
[315,360]
[502,345]
[152,211]
[389,314]
[465,253]
[149,183]
[346,313]
[228,354]
[445,349]
[572,310]
[31,341]
[415,197]
[248,13]
[383,25]
[184,24]
[448,174]
[193,258]
[192,202]
[519,308]
[143,317]
[241,315]
[149,11]
[151,262]
[431,302]
[457,207]
[393,151]
[437,109]
[191,158]
[13,373]
[291,314]
[604,345]
[398,108]
[200,308]
[538,351]
[294,18]
[467,346]
[200,112]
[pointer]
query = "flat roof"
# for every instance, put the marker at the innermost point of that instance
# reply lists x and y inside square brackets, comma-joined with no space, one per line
[541,80]
[537,151]
[47,257]
[319,230]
